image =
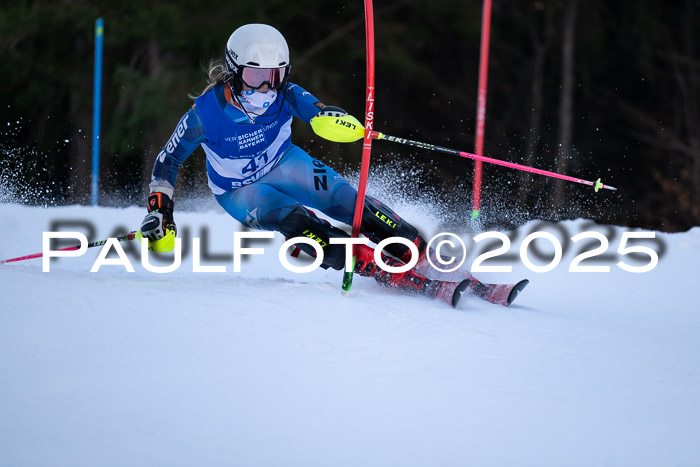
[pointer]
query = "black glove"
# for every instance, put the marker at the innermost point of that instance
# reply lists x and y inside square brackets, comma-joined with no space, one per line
[331,111]
[159,217]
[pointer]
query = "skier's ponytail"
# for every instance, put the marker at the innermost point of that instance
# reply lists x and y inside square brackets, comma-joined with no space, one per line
[216,74]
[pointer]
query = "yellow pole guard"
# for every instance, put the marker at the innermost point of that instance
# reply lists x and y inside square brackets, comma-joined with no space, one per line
[165,244]
[345,129]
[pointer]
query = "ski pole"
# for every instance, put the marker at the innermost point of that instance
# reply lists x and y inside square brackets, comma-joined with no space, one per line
[348,129]
[597,185]
[129,236]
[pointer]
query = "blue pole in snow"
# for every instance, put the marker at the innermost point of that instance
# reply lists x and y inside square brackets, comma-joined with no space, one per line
[96,108]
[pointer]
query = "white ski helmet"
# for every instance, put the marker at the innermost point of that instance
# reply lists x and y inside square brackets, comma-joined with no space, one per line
[257,46]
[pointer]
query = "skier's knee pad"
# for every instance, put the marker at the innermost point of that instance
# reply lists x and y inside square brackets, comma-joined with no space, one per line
[303,223]
[380,222]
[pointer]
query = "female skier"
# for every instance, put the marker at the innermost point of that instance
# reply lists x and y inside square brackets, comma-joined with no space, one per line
[243,121]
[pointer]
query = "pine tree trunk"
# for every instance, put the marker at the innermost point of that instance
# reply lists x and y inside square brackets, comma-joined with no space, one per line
[566,105]
[541,44]
[81,159]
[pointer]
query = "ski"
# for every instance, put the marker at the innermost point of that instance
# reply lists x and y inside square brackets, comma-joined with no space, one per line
[450,292]
[446,291]
[426,281]
[500,294]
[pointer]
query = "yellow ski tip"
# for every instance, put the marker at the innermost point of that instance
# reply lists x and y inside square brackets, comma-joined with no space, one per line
[345,129]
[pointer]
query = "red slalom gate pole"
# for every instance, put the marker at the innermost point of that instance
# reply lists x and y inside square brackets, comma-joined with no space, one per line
[481,105]
[367,141]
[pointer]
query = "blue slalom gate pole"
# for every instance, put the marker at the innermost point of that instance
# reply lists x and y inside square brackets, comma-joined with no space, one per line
[96,108]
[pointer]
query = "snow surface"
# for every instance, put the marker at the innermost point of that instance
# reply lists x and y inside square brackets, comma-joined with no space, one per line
[270,368]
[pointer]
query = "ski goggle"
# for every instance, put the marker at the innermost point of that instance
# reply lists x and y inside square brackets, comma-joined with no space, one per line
[255,78]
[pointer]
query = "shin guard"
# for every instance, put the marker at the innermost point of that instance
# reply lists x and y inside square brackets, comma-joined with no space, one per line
[303,223]
[380,222]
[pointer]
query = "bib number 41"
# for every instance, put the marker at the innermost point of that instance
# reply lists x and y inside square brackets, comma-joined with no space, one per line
[255,162]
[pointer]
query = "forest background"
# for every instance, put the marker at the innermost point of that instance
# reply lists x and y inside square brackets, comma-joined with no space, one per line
[589,88]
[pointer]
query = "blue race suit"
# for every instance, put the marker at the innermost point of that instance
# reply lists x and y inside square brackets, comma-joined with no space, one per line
[255,172]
